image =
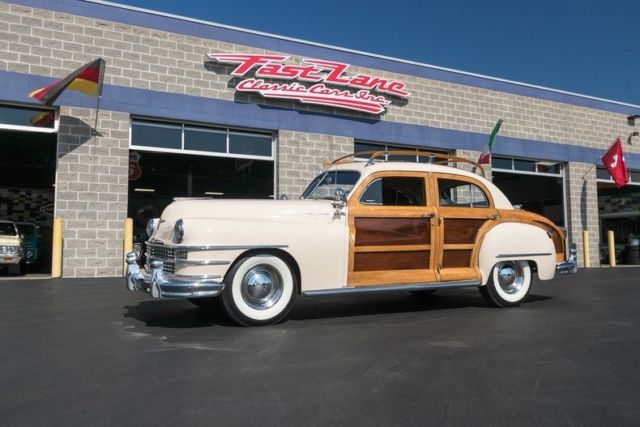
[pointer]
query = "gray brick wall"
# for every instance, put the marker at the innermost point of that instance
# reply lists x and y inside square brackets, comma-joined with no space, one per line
[582,209]
[91,191]
[300,156]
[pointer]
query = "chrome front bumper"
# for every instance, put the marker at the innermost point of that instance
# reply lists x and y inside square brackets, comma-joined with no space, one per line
[571,264]
[158,284]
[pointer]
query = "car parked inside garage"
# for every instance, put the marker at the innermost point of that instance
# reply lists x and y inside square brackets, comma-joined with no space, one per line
[369,225]
[11,248]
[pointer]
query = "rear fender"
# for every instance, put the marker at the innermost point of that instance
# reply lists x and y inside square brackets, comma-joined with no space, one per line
[517,241]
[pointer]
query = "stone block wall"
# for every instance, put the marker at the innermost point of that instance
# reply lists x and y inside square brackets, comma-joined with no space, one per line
[92,191]
[582,209]
[300,157]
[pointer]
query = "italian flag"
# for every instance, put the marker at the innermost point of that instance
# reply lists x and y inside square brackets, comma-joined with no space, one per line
[86,79]
[485,157]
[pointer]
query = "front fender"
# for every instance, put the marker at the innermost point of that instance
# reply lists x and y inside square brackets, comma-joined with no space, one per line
[517,241]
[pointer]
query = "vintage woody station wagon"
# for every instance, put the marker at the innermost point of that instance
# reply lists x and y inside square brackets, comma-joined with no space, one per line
[368,223]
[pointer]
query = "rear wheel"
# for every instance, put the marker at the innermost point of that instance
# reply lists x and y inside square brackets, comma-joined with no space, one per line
[259,290]
[509,284]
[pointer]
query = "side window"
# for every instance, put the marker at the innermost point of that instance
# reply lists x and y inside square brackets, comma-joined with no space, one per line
[461,194]
[395,191]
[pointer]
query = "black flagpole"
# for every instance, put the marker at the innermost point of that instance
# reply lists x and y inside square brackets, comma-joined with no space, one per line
[95,127]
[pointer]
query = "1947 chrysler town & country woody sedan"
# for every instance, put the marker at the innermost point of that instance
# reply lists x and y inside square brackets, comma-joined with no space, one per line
[363,225]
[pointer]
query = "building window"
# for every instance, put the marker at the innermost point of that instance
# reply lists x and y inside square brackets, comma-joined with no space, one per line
[362,146]
[535,167]
[603,176]
[203,140]
[15,117]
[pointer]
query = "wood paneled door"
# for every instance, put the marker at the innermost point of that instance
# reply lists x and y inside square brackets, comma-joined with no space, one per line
[392,230]
[465,210]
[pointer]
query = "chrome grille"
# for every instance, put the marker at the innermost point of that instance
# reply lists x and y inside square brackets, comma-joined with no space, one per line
[9,250]
[166,254]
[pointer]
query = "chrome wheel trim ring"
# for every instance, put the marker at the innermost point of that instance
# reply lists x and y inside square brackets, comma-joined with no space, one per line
[510,277]
[262,287]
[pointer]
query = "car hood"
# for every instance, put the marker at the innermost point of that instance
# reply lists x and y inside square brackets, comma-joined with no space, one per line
[243,210]
[10,240]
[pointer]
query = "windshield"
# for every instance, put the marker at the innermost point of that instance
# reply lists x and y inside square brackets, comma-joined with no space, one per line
[7,229]
[28,230]
[324,186]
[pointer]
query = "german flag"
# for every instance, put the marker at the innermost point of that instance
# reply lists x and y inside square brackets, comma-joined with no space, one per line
[86,79]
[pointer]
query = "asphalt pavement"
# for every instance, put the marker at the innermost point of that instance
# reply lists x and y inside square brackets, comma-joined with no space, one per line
[85,352]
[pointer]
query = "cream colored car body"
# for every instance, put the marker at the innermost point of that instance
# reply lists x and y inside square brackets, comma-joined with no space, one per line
[315,233]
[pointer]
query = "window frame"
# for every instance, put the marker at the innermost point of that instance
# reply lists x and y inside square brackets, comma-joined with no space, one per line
[199,127]
[467,180]
[380,178]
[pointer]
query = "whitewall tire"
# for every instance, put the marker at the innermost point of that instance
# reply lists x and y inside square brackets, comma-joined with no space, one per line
[509,284]
[259,290]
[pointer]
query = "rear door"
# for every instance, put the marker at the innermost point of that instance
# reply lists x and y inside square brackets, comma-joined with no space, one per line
[391,231]
[465,211]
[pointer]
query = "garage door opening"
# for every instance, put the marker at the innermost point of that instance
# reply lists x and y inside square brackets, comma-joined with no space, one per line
[169,160]
[619,211]
[536,186]
[27,178]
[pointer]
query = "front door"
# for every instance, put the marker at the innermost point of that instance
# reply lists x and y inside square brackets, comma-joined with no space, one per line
[465,211]
[391,231]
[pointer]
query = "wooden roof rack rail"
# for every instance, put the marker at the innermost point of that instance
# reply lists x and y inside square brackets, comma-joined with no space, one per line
[437,158]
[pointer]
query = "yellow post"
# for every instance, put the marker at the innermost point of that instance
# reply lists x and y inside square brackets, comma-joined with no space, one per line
[56,248]
[612,249]
[585,248]
[128,240]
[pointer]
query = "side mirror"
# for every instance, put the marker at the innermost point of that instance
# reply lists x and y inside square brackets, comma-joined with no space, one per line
[340,196]
[283,197]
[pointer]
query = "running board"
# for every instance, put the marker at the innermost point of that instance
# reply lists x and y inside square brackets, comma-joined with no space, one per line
[394,288]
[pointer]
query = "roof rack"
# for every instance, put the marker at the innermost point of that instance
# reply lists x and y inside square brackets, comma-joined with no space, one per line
[436,158]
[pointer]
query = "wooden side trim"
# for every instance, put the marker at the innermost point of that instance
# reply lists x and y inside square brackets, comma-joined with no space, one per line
[458,246]
[360,249]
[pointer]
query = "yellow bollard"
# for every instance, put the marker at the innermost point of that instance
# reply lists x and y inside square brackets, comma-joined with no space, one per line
[585,248]
[612,249]
[128,240]
[56,248]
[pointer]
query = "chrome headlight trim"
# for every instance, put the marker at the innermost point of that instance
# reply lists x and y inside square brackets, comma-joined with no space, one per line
[178,231]
[152,226]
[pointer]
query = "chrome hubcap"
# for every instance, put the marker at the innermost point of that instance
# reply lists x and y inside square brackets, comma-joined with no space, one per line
[262,287]
[510,277]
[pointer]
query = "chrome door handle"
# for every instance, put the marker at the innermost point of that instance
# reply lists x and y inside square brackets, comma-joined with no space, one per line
[494,216]
[428,215]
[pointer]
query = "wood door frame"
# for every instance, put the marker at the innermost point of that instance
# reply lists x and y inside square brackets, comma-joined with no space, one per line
[426,212]
[489,214]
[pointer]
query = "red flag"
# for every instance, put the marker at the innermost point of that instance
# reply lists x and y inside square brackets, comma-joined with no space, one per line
[86,79]
[613,160]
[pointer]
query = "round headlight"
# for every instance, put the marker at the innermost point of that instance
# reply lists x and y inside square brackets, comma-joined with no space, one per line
[29,254]
[178,231]
[152,226]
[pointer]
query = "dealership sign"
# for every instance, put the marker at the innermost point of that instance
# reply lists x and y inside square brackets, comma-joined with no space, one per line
[315,82]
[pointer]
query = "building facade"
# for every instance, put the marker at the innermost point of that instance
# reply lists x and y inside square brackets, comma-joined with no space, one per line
[191,108]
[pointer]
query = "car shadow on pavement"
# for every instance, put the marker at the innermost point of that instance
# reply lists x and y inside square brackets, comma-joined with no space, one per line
[176,314]
[182,314]
[308,308]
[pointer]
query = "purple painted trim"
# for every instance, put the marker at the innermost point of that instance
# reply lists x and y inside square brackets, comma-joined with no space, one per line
[175,25]
[14,87]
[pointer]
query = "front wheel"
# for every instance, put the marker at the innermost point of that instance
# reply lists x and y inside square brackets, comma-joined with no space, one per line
[509,284]
[259,290]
